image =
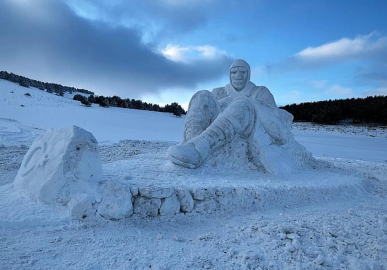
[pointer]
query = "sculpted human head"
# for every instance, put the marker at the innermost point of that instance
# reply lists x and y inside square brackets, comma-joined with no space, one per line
[239,74]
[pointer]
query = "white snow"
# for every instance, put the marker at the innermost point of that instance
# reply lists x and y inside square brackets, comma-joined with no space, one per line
[348,142]
[45,111]
[332,217]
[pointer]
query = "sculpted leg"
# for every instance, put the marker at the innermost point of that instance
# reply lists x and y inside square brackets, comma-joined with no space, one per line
[202,111]
[238,119]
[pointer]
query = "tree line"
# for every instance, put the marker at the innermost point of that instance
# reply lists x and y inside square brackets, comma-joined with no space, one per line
[49,87]
[114,101]
[372,109]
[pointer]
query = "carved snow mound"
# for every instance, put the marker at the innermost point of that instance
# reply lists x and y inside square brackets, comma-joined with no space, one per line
[60,164]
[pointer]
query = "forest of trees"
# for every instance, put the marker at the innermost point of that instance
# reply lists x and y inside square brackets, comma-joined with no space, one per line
[369,110]
[49,87]
[114,101]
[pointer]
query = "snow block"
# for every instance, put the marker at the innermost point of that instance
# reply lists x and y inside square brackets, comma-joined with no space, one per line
[146,207]
[81,206]
[59,164]
[170,206]
[117,201]
[186,200]
[202,194]
[205,207]
[156,192]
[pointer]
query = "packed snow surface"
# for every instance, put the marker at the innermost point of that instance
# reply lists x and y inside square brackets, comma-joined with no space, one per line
[331,217]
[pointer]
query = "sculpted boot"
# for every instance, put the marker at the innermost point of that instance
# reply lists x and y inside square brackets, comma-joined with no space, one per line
[202,111]
[193,152]
[238,119]
[190,154]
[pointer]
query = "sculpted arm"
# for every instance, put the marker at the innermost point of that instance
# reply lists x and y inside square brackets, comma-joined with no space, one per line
[221,95]
[269,116]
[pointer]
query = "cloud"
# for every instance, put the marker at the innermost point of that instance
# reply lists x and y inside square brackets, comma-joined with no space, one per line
[154,19]
[186,54]
[167,20]
[60,46]
[291,97]
[339,91]
[372,75]
[324,93]
[318,84]
[371,47]
[368,46]
[175,53]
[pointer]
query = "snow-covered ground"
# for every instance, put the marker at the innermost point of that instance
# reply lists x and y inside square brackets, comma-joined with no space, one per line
[344,229]
[43,110]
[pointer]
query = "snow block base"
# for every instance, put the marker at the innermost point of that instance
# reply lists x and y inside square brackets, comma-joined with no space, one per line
[162,188]
[60,164]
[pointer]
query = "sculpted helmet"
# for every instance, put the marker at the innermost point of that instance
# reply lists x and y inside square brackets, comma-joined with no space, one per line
[241,63]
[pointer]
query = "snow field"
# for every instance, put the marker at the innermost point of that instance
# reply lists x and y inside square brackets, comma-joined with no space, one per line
[371,131]
[329,236]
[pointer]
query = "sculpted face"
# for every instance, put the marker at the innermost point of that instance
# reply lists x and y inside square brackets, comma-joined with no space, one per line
[239,77]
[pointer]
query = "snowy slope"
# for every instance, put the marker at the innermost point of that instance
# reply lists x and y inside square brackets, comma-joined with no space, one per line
[348,232]
[43,110]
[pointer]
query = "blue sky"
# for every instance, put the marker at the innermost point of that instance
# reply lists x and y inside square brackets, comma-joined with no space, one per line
[164,51]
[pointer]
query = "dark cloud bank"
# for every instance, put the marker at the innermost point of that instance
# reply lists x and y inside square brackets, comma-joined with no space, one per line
[49,42]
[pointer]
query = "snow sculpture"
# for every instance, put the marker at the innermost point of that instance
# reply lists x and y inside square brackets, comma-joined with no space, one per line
[60,164]
[245,118]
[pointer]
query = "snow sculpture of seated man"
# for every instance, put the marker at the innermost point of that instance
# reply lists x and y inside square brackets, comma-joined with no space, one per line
[245,111]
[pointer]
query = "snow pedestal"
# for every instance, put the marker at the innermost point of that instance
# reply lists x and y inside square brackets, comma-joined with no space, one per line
[154,187]
[59,167]
[250,195]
